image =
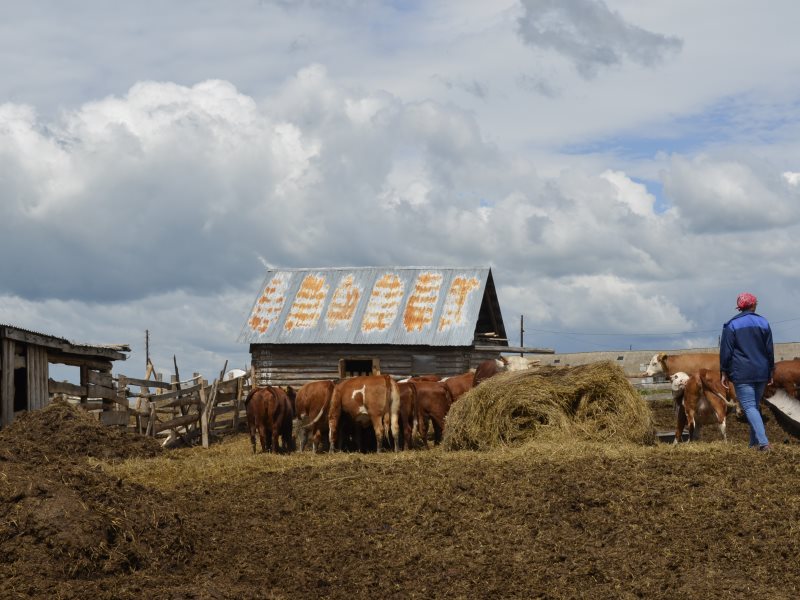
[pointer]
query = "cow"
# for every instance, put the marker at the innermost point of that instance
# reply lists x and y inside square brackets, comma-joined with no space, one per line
[269,414]
[704,402]
[408,402]
[368,400]
[493,366]
[459,384]
[312,403]
[433,401]
[669,364]
[785,377]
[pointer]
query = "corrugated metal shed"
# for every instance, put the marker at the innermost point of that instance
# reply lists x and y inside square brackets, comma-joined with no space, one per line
[368,305]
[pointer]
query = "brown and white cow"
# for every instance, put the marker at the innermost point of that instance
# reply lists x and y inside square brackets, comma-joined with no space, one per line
[369,400]
[433,401]
[269,415]
[312,403]
[689,363]
[704,402]
[489,368]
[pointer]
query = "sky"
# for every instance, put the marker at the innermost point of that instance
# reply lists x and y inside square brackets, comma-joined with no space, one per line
[625,167]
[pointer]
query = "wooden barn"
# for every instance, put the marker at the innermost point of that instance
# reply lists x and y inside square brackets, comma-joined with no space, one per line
[309,324]
[25,358]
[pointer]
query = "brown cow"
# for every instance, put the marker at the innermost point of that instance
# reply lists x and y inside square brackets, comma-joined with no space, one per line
[269,413]
[367,400]
[705,402]
[408,400]
[786,377]
[669,364]
[459,384]
[433,401]
[311,409]
[486,369]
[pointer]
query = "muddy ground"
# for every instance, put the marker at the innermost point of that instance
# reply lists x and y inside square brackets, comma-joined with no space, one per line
[86,512]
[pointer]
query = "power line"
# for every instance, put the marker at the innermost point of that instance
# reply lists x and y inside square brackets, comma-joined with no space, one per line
[665,334]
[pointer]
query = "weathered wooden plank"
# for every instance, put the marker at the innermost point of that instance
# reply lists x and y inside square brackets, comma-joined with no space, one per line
[203,417]
[64,387]
[148,383]
[98,391]
[190,400]
[176,422]
[7,382]
[102,379]
[78,361]
[49,342]
[114,417]
[173,394]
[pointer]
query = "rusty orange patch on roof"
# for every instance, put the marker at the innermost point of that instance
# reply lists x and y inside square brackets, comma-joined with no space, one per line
[307,306]
[269,305]
[343,304]
[421,304]
[384,303]
[457,295]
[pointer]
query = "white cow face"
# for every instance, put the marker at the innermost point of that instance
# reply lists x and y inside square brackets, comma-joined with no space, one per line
[679,381]
[654,367]
[520,363]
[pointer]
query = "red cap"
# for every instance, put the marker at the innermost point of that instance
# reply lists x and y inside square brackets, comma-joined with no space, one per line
[745,301]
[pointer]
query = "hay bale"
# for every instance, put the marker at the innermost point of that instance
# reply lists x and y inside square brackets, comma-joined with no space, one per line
[592,402]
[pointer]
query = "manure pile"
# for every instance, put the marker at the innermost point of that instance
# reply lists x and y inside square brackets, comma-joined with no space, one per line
[62,517]
[593,402]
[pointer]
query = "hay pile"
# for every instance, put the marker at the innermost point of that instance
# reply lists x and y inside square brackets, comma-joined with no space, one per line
[591,402]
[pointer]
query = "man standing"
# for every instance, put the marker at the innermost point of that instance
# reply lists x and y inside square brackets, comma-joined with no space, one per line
[747,359]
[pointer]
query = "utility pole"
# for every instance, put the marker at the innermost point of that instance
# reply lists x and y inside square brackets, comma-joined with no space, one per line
[521,334]
[146,348]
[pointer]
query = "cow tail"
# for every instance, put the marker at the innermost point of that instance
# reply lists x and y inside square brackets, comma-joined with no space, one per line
[250,395]
[319,414]
[414,409]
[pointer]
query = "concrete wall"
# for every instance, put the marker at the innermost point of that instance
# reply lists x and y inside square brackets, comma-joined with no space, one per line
[635,362]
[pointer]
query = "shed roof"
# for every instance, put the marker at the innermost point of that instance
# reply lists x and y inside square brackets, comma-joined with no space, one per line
[373,305]
[108,351]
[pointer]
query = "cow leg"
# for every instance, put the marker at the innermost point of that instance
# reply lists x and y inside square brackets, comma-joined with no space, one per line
[438,430]
[251,427]
[377,426]
[723,431]
[681,424]
[691,422]
[422,424]
[262,437]
[334,414]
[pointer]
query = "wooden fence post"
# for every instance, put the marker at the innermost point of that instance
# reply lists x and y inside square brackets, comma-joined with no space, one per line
[203,414]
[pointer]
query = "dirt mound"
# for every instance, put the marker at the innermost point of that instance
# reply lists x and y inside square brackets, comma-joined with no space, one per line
[62,430]
[62,517]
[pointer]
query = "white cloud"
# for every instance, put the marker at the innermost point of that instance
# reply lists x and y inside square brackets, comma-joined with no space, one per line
[724,195]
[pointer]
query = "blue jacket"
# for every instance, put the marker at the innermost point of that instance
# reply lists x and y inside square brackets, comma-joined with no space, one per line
[746,354]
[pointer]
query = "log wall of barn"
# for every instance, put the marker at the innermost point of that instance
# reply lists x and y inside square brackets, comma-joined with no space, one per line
[299,364]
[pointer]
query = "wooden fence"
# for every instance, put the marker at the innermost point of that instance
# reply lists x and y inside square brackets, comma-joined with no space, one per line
[172,411]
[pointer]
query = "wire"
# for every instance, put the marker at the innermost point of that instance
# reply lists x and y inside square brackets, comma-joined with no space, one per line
[665,334]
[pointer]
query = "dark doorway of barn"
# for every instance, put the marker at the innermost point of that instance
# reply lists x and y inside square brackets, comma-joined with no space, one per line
[20,389]
[353,367]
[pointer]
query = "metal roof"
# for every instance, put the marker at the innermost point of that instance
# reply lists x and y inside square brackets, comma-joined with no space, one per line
[368,305]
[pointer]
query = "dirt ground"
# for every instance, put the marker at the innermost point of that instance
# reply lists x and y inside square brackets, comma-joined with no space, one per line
[88,512]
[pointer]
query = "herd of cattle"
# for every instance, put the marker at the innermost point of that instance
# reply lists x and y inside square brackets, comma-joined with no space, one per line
[346,413]
[377,411]
[701,399]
